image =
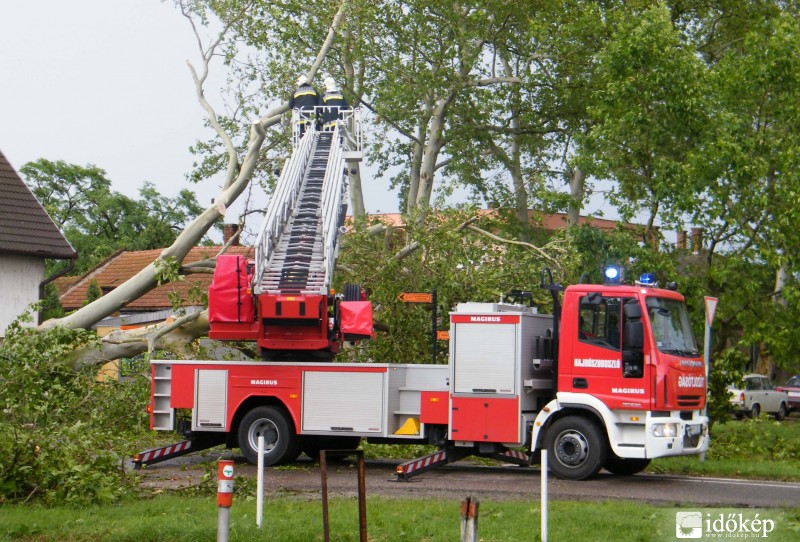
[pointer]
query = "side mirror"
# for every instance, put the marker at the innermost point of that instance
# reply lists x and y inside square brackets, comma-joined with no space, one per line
[593,299]
[632,310]
[634,336]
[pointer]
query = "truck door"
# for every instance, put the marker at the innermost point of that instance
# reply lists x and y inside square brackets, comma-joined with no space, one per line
[604,364]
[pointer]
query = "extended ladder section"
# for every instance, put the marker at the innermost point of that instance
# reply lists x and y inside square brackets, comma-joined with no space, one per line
[298,242]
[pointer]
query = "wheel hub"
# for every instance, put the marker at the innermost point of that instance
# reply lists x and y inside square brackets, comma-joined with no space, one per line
[268,429]
[572,449]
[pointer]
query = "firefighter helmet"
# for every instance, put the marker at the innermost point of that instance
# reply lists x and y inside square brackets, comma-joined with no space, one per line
[330,84]
[302,80]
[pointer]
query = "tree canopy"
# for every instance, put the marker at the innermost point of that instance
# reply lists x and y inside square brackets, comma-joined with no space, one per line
[97,220]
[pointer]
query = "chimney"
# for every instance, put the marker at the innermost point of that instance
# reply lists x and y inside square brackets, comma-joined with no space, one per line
[697,240]
[228,231]
[681,240]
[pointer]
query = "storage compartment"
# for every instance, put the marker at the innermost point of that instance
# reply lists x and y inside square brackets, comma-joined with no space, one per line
[229,296]
[211,400]
[485,420]
[348,403]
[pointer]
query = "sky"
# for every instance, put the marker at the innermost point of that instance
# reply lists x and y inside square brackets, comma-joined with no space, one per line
[105,82]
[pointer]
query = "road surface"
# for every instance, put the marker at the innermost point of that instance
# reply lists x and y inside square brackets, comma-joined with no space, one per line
[486,482]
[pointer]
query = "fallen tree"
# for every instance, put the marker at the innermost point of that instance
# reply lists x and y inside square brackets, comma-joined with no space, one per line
[167,265]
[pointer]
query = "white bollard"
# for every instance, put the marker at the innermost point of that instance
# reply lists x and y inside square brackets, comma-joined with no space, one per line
[544,495]
[260,483]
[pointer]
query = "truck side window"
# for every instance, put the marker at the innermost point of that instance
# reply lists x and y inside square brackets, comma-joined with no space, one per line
[632,354]
[599,322]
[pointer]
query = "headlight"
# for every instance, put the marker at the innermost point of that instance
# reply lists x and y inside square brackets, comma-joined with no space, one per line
[705,429]
[665,429]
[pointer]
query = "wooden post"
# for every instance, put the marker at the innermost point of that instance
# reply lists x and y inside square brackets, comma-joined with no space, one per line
[469,520]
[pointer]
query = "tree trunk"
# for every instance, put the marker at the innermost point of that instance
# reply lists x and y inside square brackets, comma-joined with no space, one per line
[576,194]
[416,157]
[431,154]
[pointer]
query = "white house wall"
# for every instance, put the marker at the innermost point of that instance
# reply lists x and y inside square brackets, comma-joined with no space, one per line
[20,277]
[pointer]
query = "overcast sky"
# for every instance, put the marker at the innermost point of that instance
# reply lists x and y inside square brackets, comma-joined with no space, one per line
[105,82]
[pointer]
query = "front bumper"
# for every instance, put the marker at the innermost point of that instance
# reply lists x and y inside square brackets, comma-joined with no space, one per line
[673,435]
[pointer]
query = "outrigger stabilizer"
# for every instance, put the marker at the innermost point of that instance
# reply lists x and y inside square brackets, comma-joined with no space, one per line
[409,469]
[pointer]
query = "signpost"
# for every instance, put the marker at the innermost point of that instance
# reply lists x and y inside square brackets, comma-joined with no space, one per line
[427,298]
[711,309]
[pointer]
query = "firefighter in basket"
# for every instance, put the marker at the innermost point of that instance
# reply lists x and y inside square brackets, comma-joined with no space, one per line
[305,99]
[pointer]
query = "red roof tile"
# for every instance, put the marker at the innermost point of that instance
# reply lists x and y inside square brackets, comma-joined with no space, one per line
[123,265]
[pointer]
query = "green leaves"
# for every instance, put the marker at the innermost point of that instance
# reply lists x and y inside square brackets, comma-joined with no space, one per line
[97,220]
[64,436]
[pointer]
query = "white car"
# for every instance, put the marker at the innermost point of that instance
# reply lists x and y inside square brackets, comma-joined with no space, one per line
[759,396]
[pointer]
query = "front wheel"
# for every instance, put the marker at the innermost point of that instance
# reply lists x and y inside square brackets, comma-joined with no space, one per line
[781,412]
[281,444]
[624,467]
[576,447]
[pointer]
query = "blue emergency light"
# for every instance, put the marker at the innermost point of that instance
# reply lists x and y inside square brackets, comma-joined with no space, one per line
[647,279]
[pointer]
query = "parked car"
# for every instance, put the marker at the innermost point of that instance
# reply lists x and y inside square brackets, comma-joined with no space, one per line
[792,388]
[759,396]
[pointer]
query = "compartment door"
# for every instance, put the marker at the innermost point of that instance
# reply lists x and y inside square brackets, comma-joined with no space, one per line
[344,402]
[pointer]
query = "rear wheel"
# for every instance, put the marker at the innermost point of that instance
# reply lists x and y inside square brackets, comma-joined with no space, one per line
[755,410]
[624,467]
[576,447]
[281,444]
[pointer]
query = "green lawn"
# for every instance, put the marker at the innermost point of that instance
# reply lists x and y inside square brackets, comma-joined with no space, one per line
[172,518]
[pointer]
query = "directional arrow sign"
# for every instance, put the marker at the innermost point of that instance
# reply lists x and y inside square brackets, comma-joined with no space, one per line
[443,335]
[415,297]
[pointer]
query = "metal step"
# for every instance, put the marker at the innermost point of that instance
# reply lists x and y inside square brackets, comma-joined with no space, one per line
[297,263]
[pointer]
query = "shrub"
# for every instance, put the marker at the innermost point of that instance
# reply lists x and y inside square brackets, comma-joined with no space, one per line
[63,436]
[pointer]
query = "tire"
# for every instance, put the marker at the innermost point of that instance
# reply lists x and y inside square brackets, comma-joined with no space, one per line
[576,447]
[781,415]
[624,467]
[281,444]
[352,292]
[313,444]
[755,410]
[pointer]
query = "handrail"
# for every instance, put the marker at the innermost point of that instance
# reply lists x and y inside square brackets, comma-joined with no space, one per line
[346,136]
[333,197]
[280,206]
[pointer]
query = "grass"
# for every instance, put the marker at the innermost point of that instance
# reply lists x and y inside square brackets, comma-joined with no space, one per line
[172,518]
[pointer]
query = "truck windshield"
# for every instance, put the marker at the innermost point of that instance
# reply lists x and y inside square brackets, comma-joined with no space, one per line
[672,330]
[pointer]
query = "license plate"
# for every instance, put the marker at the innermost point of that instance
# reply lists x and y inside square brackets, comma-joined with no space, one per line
[693,430]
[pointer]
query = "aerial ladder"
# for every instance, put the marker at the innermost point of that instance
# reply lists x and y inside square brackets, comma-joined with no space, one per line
[283,299]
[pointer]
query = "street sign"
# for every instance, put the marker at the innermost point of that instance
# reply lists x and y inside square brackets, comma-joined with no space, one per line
[443,335]
[416,297]
[711,308]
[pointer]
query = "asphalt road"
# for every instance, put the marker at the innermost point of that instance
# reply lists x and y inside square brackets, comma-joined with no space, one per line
[488,483]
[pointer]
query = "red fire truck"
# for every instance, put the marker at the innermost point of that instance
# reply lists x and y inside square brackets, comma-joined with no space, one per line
[611,379]
[614,382]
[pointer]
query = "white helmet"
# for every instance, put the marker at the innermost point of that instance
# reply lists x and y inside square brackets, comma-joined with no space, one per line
[330,84]
[302,80]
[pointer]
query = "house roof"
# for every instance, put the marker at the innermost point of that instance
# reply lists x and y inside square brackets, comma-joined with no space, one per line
[122,265]
[25,227]
[549,222]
